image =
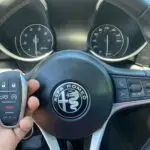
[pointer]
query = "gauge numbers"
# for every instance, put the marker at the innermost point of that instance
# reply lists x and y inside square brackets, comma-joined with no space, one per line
[36,40]
[107,41]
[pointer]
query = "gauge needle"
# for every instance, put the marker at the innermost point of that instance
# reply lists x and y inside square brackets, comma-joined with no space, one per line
[107,45]
[35,40]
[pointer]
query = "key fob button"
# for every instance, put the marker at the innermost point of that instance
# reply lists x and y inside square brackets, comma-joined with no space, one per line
[4,85]
[13,96]
[4,96]
[9,120]
[13,85]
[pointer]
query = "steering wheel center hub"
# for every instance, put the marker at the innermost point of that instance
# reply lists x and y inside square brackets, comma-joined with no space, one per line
[76,94]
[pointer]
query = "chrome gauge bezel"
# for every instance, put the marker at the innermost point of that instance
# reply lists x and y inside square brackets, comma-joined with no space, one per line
[110,25]
[115,59]
[122,58]
[16,57]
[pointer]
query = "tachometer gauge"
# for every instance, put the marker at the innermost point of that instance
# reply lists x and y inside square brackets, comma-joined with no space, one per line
[107,41]
[36,40]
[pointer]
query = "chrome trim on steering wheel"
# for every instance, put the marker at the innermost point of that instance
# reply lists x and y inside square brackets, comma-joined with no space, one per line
[50,140]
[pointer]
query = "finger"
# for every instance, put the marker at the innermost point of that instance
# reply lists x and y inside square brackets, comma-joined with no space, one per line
[33,104]
[33,86]
[25,126]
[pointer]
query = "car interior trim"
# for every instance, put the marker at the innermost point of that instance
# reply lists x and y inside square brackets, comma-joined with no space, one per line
[50,140]
[7,52]
[44,4]
[98,4]
[123,58]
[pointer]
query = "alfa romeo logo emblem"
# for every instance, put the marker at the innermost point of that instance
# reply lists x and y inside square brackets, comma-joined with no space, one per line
[70,100]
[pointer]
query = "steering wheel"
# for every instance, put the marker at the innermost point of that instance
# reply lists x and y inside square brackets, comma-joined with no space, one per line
[79,94]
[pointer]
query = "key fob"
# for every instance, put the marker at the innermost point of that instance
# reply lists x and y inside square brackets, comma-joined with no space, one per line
[13,98]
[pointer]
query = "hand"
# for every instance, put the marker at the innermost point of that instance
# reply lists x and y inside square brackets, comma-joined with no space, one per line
[10,138]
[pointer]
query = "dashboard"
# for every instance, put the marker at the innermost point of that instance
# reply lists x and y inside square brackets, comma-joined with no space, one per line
[32,30]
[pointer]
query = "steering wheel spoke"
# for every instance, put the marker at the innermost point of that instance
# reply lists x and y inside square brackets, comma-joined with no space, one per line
[97,137]
[92,142]
[131,87]
[50,140]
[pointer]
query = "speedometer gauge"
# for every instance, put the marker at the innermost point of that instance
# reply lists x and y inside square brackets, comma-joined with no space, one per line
[36,40]
[107,41]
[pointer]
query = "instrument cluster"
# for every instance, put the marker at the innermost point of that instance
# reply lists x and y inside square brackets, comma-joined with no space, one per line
[113,35]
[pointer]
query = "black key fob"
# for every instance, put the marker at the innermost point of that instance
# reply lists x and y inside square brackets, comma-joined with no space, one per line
[13,98]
